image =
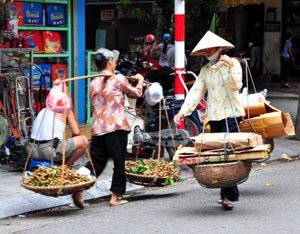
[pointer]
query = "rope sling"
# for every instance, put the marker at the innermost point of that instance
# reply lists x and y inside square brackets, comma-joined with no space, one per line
[43,181]
[161,171]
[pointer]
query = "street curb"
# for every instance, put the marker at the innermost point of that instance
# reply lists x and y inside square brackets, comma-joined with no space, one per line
[280,97]
[36,202]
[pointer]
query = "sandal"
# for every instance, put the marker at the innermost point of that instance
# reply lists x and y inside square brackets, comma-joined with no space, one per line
[227,205]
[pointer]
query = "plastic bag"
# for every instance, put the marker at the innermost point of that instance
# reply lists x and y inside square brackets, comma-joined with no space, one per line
[255,99]
[58,100]
[154,94]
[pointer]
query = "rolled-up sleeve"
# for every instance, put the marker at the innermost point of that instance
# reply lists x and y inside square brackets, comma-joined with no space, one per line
[132,91]
[235,75]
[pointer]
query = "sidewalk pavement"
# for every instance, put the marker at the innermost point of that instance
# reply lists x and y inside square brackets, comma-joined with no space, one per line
[15,200]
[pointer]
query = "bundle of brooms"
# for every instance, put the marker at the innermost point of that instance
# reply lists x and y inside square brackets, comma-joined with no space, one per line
[151,172]
[56,181]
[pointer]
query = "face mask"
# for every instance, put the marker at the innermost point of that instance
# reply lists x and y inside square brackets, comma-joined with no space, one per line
[213,58]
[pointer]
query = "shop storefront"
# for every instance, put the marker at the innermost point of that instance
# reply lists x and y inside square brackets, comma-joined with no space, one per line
[291,19]
[273,19]
[109,26]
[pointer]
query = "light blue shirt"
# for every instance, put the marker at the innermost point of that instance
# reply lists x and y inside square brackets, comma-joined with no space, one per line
[285,51]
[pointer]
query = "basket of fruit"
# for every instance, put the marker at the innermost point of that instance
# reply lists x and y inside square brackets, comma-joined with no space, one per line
[150,172]
[57,181]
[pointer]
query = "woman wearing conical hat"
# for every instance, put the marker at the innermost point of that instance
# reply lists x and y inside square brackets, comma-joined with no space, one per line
[221,78]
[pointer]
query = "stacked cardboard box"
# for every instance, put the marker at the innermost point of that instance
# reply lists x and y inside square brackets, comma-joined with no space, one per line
[222,147]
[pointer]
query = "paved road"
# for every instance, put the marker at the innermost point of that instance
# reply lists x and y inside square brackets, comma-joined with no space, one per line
[269,203]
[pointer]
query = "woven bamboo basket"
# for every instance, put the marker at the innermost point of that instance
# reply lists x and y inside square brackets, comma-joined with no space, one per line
[55,191]
[145,180]
[222,175]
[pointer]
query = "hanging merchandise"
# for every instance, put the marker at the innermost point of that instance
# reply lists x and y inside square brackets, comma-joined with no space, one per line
[16,12]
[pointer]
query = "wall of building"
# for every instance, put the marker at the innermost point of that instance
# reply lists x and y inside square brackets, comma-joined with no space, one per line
[272,41]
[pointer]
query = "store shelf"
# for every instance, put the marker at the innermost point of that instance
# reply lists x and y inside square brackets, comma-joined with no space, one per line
[51,55]
[46,1]
[44,28]
[64,58]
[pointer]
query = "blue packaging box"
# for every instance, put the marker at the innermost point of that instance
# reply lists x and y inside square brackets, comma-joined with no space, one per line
[38,80]
[56,15]
[33,13]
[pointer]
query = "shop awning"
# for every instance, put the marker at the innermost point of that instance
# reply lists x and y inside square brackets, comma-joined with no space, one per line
[234,3]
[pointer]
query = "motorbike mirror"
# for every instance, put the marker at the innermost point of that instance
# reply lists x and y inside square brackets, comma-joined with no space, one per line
[147,65]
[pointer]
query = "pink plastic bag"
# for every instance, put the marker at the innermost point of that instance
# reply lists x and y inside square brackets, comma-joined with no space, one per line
[58,100]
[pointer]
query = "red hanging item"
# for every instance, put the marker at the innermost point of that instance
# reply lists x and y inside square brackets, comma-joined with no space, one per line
[58,99]
[202,105]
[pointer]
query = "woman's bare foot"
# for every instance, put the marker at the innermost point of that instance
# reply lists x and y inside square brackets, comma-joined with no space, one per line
[118,202]
[78,199]
[114,201]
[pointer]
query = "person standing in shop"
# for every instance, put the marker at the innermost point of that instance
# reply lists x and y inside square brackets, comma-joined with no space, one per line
[221,78]
[255,47]
[286,59]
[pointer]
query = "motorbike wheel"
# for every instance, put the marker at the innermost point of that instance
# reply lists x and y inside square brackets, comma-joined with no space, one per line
[193,129]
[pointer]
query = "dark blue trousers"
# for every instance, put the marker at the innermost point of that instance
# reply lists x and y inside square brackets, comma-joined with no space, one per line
[231,193]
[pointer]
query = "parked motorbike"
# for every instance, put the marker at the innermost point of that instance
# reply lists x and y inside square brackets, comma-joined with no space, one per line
[153,127]
[129,64]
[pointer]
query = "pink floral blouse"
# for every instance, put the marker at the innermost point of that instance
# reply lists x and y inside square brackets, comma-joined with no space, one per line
[107,100]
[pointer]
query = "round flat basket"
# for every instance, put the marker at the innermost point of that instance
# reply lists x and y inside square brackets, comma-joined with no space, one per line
[145,180]
[56,191]
[222,175]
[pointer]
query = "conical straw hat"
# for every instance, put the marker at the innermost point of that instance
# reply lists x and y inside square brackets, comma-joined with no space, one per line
[210,40]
